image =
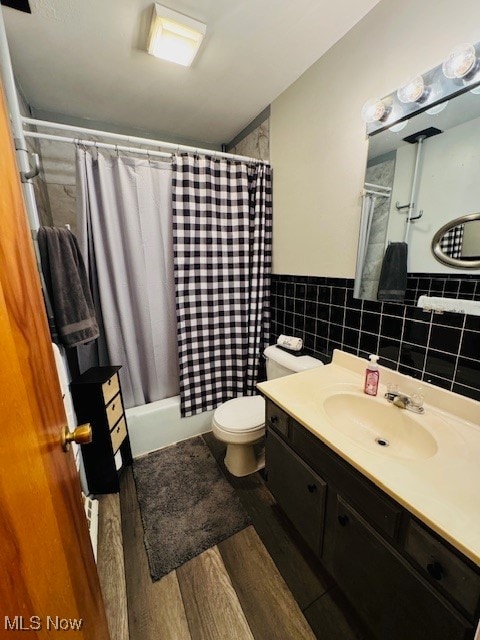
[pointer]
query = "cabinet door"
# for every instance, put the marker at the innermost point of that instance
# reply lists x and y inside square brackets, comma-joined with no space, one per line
[298,490]
[437,562]
[390,597]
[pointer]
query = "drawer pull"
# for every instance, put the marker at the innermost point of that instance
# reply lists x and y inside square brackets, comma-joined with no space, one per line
[343,520]
[113,407]
[435,569]
[273,419]
[312,487]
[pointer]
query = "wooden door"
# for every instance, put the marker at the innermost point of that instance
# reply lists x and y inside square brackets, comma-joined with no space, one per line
[49,583]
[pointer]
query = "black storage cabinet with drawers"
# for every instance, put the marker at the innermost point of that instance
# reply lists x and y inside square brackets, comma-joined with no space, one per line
[97,398]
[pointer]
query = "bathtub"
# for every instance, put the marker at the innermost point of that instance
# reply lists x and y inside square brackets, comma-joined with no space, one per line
[158,424]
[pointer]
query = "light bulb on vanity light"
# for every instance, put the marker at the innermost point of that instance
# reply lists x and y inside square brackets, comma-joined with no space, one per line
[373,110]
[413,91]
[461,61]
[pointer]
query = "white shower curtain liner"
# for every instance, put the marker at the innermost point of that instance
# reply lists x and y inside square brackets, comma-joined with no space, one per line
[125,234]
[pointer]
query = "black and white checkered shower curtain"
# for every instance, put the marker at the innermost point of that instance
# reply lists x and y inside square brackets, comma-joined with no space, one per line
[451,243]
[222,234]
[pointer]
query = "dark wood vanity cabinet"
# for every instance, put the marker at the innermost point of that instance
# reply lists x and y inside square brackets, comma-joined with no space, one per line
[403,580]
[97,398]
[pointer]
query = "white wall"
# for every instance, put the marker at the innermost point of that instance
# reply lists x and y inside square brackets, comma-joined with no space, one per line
[318,146]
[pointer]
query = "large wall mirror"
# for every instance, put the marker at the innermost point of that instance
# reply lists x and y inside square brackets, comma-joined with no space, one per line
[434,155]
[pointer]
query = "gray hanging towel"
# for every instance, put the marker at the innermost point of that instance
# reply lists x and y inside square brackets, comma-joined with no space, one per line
[393,277]
[67,286]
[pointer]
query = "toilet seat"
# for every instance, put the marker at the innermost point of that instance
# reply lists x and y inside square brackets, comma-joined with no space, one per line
[241,415]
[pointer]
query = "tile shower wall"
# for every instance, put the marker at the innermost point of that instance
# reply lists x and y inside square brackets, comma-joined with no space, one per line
[443,349]
[39,184]
[255,144]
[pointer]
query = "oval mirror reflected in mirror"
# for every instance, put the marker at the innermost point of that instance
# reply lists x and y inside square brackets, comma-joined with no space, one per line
[457,243]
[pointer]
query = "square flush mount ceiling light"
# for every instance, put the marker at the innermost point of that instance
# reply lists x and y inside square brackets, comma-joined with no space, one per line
[174,37]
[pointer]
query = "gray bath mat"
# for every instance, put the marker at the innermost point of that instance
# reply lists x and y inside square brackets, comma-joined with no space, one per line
[186,503]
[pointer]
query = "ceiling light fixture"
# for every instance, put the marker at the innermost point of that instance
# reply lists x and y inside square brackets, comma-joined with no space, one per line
[174,37]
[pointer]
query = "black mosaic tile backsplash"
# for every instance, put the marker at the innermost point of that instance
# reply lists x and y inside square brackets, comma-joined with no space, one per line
[443,349]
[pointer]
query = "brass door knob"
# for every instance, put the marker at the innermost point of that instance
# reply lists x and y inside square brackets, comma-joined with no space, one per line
[81,435]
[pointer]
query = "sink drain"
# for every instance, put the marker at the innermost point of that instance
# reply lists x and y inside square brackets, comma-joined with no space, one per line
[382,442]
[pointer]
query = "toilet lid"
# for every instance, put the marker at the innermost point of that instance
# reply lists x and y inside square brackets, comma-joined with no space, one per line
[241,414]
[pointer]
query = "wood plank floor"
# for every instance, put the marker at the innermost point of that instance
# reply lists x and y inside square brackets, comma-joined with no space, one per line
[211,603]
[261,583]
[110,566]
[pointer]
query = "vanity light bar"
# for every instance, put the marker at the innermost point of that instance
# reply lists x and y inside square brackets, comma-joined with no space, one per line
[426,92]
[455,305]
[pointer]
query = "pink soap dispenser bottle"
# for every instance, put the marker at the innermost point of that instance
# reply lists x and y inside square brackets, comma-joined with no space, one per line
[372,376]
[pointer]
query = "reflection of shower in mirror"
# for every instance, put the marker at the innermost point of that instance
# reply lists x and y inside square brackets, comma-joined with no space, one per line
[371,244]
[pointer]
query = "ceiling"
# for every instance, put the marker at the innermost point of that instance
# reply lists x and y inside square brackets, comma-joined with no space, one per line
[87,59]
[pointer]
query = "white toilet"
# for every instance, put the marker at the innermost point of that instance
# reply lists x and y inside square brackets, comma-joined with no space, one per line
[241,422]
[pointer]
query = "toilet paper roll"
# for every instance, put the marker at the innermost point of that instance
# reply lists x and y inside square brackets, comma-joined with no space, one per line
[290,342]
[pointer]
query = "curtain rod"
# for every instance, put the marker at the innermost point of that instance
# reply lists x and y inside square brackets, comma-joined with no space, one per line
[377,186]
[375,193]
[120,136]
[100,145]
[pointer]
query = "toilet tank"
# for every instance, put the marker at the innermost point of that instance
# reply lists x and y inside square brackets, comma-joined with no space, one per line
[280,363]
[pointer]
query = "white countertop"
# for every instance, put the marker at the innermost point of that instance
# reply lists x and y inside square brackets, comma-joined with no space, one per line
[442,490]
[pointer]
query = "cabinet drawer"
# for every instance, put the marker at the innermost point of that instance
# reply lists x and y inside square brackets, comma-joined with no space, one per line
[379,510]
[114,411]
[110,388]
[277,418]
[447,569]
[118,434]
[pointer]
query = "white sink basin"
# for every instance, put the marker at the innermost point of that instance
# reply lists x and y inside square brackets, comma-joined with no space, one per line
[381,427]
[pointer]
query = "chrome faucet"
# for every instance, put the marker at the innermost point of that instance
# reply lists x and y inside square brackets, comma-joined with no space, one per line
[401,400]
